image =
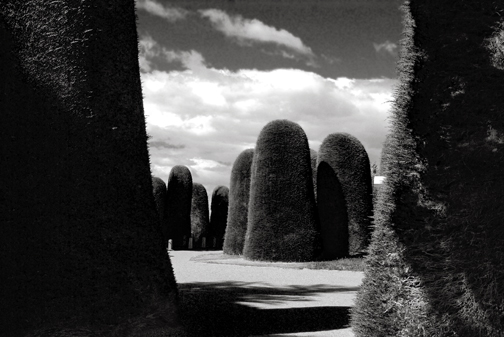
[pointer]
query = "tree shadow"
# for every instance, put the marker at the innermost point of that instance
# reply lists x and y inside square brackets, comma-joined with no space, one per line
[219,309]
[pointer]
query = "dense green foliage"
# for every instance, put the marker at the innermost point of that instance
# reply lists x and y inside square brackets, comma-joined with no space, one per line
[349,160]
[199,215]
[239,192]
[435,264]
[313,158]
[80,243]
[332,212]
[178,206]
[282,213]
[218,217]
[159,191]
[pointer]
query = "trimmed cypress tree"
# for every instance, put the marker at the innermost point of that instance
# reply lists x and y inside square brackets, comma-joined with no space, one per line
[239,192]
[313,158]
[178,206]
[435,265]
[199,215]
[349,160]
[218,216]
[159,191]
[282,213]
[332,212]
[80,244]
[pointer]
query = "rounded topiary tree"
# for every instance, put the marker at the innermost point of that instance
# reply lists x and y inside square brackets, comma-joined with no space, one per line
[159,191]
[349,160]
[199,215]
[239,191]
[178,206]
[332,213]
[218,217]
[313,158]
[282,213]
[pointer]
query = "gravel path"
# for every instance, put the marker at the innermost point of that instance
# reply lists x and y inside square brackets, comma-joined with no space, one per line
[262,300]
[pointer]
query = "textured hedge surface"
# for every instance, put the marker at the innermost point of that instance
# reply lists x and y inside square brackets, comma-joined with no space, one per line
[218,216]
[178,206]
[346,155]
[199,215]
[435,266]
[239,192]
[80,243]
[313,158]
[332,214]
[282,213]
[159,192]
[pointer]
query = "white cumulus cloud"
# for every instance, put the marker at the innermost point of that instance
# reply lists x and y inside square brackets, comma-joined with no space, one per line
[211,115]
[386,47]
[253,30]
[171,14]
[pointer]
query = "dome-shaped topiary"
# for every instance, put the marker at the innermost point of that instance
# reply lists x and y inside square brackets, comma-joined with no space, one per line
[159,191]
[199,215]
[178,206]
[313,158]
[218,217]
[332,213]
[239,192]
[349,160]
[282,212]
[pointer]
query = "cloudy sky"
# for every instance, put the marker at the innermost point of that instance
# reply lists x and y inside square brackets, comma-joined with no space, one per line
[214,72]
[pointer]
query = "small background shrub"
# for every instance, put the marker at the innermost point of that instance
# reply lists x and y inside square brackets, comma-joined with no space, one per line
[199,215]
[218,216]
[159,191]
[178,206]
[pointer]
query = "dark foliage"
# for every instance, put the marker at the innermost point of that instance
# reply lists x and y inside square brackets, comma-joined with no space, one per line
[313,158]
[199,215]
[218,217]
[332,214]
[239,192]
[282,213]
[346,155]
[80,243]
[178,206]
[435,264]
[159,191]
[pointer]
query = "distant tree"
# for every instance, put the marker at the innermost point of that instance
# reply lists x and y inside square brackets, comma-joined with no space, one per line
[282,214]
[199,215]
[435,265]
[159,191]
[80,244]
[178,206]
[349,160]
[218,216]
[239,192]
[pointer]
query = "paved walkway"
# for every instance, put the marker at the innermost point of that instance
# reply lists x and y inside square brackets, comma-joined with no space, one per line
[248,300]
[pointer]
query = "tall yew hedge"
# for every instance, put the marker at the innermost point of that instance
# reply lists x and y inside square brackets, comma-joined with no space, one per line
[349,160]
[218,216]
[178,206]
[199,215]
[80,244]
[239,191]
[159,191]
[282,214]
[435,264]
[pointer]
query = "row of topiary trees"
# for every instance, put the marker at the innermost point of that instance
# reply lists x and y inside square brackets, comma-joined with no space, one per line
[290,203]
[183,211]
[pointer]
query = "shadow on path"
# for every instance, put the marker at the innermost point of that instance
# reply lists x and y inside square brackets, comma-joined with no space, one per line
[216,309]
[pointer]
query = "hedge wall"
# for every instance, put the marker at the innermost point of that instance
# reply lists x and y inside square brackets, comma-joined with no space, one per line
[282,213]
[239,191]
[199,215]
[313,158]
[435,266]
[80,243]
[349,160]
[218,216]
[178,206]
